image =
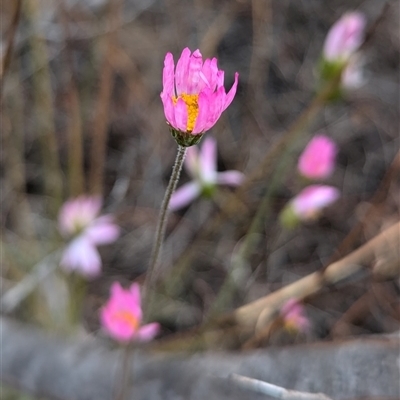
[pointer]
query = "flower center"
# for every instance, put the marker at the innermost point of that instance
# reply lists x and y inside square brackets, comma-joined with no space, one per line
[127,317]
[191,101]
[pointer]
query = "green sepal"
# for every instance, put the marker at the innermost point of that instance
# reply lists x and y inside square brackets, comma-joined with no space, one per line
[330,72]
[208,191]
[288,218]
[185,139]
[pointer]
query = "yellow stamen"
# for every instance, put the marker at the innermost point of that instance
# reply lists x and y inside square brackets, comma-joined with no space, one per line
[126,316]
[191,101]
[291,326]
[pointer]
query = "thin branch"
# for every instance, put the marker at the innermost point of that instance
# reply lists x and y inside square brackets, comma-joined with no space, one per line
[260,312]
[277,392]
[13,297]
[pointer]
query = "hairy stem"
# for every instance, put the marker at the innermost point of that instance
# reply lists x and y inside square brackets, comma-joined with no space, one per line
[161,225]
[125,372]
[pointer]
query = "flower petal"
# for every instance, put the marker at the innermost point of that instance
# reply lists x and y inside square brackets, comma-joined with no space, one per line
[192,162]
[353,74]
[208,160]
[102,231]
[148,332]
[168,75]
[135,294]
[312,199]
[231,94]
[184,195]
[116,290]
[181,71]
[181,115]
[345,37]
[217,101]
[169,109]
[317,161]
[117,328]
[81,256]
[201,120]
[230,178]
[294,316]
[193,78]
[210,73]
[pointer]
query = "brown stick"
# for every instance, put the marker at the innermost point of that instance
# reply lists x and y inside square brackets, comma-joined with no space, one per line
[259,313]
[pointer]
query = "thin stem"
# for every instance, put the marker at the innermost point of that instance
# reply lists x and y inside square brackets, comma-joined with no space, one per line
[161,225]
[124,375]
[77,291]
[11,299]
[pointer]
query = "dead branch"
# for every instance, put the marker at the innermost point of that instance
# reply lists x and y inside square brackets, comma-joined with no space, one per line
[384,246]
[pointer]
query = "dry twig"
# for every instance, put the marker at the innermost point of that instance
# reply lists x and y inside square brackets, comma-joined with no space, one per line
[278,392]
[260,312]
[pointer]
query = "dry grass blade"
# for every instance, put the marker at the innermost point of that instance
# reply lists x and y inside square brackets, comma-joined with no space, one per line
[74,124]
[44,108]
[101,118]
[5,65]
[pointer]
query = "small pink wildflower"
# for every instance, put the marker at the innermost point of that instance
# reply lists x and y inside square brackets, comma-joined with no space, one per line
[308,203]
[318,159]
[345,37]
[294,317]
[193,95]
[78,220]
[201,165]
[121,316]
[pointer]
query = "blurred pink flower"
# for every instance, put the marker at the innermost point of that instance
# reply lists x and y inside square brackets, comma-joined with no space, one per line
[121,316]
[78,220]
[294,317]
[202,167]
[193,95]
[345,37]
[308,203]
[318,159]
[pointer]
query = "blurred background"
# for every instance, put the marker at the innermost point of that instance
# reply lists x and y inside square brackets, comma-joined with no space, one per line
[81,113]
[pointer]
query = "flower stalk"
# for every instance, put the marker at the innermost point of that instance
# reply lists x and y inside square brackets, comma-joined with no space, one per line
[161,225]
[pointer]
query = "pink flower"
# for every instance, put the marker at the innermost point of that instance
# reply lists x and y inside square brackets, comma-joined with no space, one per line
[293,315]
[193,95]
[345,37]
[121,316]
[201,165]
[318,159]
[308,203]
[76,214]
[78,220]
